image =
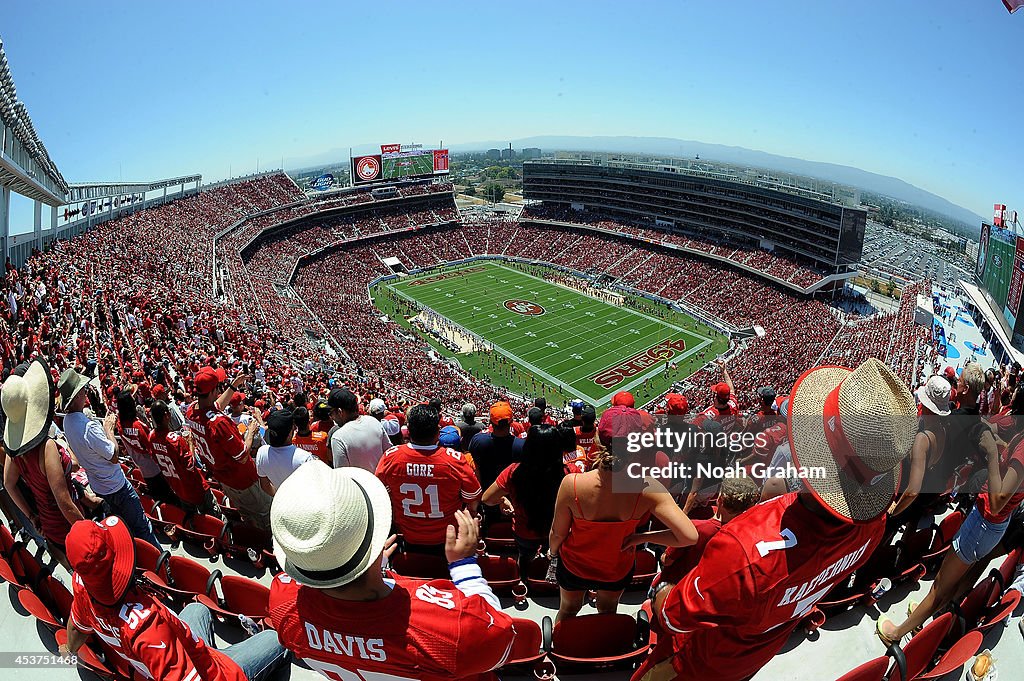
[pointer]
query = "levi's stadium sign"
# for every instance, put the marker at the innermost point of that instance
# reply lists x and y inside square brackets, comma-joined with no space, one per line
[524,307]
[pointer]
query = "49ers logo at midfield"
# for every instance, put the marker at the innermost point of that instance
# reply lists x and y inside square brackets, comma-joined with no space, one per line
[524,307]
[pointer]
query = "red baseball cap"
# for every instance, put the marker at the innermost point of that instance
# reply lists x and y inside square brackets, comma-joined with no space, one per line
[623,398]
[159,392]
[222,375]
[722,391]
[950,373]
[238,398]
[676,404]
[103,556]
[618,421]
[206,381]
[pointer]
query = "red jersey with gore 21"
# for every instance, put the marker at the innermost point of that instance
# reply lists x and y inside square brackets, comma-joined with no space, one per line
[758,577]
[179,466]
[148,635]
[221,448]
[421,631]
[427,486]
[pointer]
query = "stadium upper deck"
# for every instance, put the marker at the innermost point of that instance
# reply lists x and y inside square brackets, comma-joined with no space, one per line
[823,230]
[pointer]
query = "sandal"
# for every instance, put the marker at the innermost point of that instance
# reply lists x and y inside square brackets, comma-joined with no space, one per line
[911,606]
[886,641]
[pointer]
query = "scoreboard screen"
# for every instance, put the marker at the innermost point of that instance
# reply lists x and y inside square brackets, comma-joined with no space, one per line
[395,163]
[1000,269]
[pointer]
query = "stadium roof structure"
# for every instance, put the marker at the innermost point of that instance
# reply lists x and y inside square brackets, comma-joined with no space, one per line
[25,165]
[81,191]
[994,319]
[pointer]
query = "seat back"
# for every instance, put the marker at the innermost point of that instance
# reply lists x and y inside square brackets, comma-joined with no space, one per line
[188,575]
[594,636]
[6,541]
[245,596]
[921,649]
[35,607]
[528,643]
[146,555]
[499,570]
[419,565]
[872,670]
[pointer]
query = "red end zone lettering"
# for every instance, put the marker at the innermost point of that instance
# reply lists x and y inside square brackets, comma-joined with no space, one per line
[638,363]
[446,275]
[524,307]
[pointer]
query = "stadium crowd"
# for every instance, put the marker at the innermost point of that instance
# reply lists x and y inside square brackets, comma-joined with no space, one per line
[131,380]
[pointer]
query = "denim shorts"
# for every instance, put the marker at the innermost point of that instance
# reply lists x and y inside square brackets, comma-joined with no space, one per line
[977,537]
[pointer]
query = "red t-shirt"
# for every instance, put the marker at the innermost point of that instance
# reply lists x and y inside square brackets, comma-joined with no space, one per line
[221,447]
[148,635]
[683,559]
[421,631]
[135,439]
[758,577]
[427,486]
[520,521]
[1006,458]
[179,466]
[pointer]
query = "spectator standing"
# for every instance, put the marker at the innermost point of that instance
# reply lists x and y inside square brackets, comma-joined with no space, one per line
[280,457]
[36,459]
[360,439]
[427,483]
[527,491]
[724,408]
[468,425]
[138,627]
[178,464]
[495,451]
[331,529]
[135,437]
[217,441]
[312,441]
[95,447]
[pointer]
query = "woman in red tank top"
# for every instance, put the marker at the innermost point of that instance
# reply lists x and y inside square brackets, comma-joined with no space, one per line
[593,534]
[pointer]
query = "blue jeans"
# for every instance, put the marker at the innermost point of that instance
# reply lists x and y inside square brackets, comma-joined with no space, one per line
[125,503]
[259,656]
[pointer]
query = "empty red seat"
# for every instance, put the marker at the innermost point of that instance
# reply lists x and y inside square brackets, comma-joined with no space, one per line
[239,596]
[536,577]
[955,658]
[499,536]
[873,670]
[599,641]
[247,542]
[183,578]
[203,530]
[920,650]
[645,567]
[528,647]
[168,519]
[501,572]
[419,565]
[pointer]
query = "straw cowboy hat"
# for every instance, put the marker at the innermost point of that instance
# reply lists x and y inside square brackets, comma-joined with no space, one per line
[856,426]
[28,407]
[329,525]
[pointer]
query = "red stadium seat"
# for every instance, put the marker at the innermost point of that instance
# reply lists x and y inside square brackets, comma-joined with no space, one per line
[645,567]
[239,596]
[536,578]
[169,518]
[203,530]
[499,536]
[185,579]
[89,660]
[528,647]
[955,658]
[920,650]
[595,642]
[247,542]
[872,670]
[419,565]
[944,534]
[501,572]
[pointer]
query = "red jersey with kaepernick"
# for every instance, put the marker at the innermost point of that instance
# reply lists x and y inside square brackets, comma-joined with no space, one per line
[427,486]
[222,449]
[758,577]
[421,631]
[156,643]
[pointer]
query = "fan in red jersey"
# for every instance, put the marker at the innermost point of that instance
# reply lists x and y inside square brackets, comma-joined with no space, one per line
[724,409]
[225,453]
[178,464]
[335,608]
[135,437]
[766,569]
[427,483]
[140,629]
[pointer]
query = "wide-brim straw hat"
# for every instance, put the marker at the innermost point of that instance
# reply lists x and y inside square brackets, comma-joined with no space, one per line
[856,426]
[28,408]
[329,525]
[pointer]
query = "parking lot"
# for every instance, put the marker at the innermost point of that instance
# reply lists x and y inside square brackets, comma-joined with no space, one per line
[891,252]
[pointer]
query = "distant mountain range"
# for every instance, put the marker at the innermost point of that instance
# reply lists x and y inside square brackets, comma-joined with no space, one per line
[668,146]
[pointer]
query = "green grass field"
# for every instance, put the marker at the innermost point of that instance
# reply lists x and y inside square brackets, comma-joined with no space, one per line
[574,344]
[407,166]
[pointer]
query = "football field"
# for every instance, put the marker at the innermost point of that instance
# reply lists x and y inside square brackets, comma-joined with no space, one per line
[586,346]
[407,166]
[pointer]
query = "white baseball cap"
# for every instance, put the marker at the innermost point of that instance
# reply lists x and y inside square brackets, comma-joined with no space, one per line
[377,406]
[329,525]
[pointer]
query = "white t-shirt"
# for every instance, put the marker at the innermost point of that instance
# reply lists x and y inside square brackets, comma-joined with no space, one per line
[277,463]
[360,442]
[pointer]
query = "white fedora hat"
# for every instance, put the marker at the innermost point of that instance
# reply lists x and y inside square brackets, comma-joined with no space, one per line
[28,407]
[329,525]
[856,426]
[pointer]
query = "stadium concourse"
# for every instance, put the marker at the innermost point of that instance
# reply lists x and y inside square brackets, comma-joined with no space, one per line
[271,288]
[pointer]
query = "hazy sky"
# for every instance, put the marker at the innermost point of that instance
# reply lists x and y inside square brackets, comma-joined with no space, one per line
[930,92]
